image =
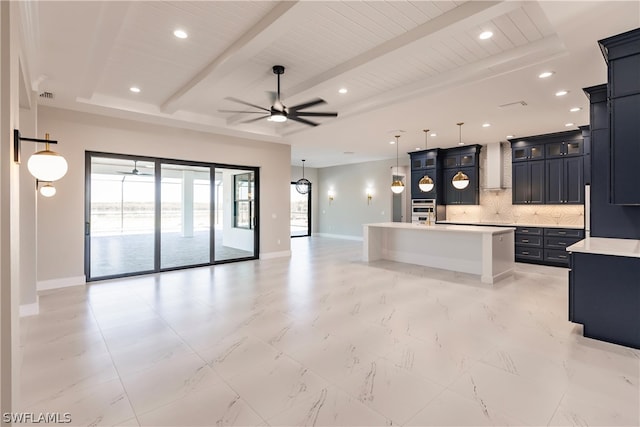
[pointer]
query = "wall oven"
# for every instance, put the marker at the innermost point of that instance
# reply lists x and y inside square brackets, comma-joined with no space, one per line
[423,211]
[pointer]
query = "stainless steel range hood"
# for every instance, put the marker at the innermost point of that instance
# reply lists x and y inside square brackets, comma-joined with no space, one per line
[494,167]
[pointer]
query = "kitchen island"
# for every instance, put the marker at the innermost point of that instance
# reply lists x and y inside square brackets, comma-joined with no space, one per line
[484,251]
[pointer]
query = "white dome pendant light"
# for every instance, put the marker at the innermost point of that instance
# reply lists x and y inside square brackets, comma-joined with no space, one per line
[397,186]
[460,180]
[426,183]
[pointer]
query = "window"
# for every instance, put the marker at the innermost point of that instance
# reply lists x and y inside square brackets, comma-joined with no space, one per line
[243,204]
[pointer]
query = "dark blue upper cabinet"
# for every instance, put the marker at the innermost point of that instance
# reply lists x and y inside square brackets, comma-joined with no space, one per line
[548,169]
[465,160]
[426,162]
[622,54]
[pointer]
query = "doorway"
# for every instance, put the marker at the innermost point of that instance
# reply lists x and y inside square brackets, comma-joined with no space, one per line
[300,212]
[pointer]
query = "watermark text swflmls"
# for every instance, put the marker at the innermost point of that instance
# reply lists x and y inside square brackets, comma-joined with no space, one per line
[36,417]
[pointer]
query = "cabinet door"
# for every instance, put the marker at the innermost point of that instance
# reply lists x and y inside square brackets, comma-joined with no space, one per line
[520,183]
[416,176]
[625,150]
[451,161]
[469,196]
[555,181]
[536,180]
[555,149]
[451,194]
[573,180]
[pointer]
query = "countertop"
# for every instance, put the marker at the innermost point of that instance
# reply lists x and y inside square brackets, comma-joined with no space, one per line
[507,224]
[606,246]
[444,227]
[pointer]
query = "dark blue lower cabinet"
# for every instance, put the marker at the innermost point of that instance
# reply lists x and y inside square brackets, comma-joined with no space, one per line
[604,296]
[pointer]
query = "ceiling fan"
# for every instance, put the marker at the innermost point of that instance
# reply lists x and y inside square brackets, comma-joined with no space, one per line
[278,111]
[135,170]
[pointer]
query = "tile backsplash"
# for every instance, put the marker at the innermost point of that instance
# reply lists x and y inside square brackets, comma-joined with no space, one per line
[495,205]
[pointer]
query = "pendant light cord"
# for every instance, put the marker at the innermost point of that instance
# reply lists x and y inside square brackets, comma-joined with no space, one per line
[397,143]
[426,137]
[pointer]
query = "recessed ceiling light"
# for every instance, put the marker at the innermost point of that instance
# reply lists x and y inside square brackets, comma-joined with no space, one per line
[343,90]
[180,34]
[417,148]
[485,35]
[574,109]
[562,92]
[568,124]
[433,134]
[392,142]
[486,125]
[545,74]
[134,89]
[510,136]
[460,143]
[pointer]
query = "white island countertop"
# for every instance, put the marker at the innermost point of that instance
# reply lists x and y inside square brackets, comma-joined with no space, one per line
[607,246]
[481,229]
[514,224]
[484,251]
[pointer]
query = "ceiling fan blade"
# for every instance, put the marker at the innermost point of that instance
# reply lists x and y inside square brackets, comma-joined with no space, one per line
[239,101]
[240,111]
[301,120]
[312,114]
[311,103]
[255,119]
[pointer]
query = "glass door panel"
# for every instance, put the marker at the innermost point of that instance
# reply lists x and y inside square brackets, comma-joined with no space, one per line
[185,215]
[121,228]
[235,218]
[299,214]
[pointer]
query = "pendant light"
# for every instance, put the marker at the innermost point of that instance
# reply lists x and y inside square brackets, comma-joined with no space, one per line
[397,186]
[426,183]
[303,185]
[460,180]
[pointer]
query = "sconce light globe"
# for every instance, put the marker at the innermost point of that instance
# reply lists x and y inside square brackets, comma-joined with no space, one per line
[47,165]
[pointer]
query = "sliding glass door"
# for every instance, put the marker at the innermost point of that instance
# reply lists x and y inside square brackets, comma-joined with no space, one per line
[185,218]
[148,215]
[121,226]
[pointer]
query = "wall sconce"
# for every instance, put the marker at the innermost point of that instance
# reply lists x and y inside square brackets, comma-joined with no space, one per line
[331,194]
[45,165]
[369,193]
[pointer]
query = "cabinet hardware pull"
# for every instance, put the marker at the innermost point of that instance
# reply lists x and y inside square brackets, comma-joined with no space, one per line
[525,240]
[562,232]
[563,243]
[525,253]
[562,256]
[525,231]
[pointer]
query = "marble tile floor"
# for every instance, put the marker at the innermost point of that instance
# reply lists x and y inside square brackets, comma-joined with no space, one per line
[323,339]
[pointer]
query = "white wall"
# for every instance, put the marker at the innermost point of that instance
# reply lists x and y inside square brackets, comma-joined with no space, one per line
[349,210]
[61,218]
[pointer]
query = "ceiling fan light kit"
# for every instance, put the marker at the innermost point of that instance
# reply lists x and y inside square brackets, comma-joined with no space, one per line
[278,112]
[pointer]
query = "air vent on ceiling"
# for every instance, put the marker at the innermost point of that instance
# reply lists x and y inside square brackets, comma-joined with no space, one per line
[47,95]
[513,104]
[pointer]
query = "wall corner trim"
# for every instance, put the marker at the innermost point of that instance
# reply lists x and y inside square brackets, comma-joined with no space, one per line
[65,282]
[271,255]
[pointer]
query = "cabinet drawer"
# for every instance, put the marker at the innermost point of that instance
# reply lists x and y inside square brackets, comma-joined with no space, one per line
[525,240]
[528,253]
[557,256]
[558,242]
[529,230]
[564,232]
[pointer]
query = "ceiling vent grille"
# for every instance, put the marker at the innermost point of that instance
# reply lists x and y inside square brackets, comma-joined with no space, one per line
[47,95]
[513,104]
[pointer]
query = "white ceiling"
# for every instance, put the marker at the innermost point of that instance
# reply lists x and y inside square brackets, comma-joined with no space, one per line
[408,65]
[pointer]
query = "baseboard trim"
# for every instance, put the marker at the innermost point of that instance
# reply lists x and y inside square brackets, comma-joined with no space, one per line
[30,309]
[271,255]
[45,285]
[339,236]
